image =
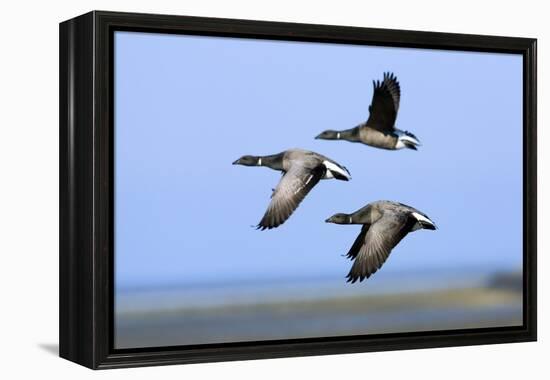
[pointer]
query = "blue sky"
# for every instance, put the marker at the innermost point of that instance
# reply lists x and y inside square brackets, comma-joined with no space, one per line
[186,107]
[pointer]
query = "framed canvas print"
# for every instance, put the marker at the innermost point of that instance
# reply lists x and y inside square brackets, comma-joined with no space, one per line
[236,189]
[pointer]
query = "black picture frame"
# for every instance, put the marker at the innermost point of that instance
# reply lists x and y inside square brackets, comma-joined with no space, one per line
[86,189]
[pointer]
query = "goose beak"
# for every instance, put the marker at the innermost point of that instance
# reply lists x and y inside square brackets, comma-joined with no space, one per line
[329,220]
[318,137]
[236,162]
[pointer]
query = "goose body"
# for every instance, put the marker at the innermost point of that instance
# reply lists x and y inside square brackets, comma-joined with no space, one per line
[302,170]
[384,225]
[379,130]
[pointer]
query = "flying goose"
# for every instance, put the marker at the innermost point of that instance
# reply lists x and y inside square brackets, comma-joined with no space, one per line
[302,170]
[379,130]
[385,223]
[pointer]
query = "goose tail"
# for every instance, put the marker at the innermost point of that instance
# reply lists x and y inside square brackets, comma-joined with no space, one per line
[406,139]
[336,171]
[423,222]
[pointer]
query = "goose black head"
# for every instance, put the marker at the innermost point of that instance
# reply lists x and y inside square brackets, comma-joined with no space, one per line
[339,219]
[328,135]
[248,161]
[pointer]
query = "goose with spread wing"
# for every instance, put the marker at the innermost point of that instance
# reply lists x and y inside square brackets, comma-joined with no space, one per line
[385,223]
[379,130]
[302,170]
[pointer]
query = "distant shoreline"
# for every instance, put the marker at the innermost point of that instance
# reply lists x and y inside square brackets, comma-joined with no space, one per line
[306,290]
[479,296]
[334,316]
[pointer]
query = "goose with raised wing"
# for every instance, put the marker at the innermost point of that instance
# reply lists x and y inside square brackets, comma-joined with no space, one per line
[384,225]
[302,170]
[379,130]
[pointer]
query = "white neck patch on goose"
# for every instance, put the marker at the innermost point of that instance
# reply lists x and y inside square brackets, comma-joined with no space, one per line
[260,161]
[338,136]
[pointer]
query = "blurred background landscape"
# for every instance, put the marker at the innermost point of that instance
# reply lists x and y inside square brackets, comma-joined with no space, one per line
[210,313]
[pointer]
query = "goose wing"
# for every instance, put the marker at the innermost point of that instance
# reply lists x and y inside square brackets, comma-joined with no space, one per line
[358,243]
[295,184]
[378,241]
[385,103]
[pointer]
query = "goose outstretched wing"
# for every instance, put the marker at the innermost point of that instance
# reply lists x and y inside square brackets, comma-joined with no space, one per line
[378,241]
[294,185]
[385,103]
